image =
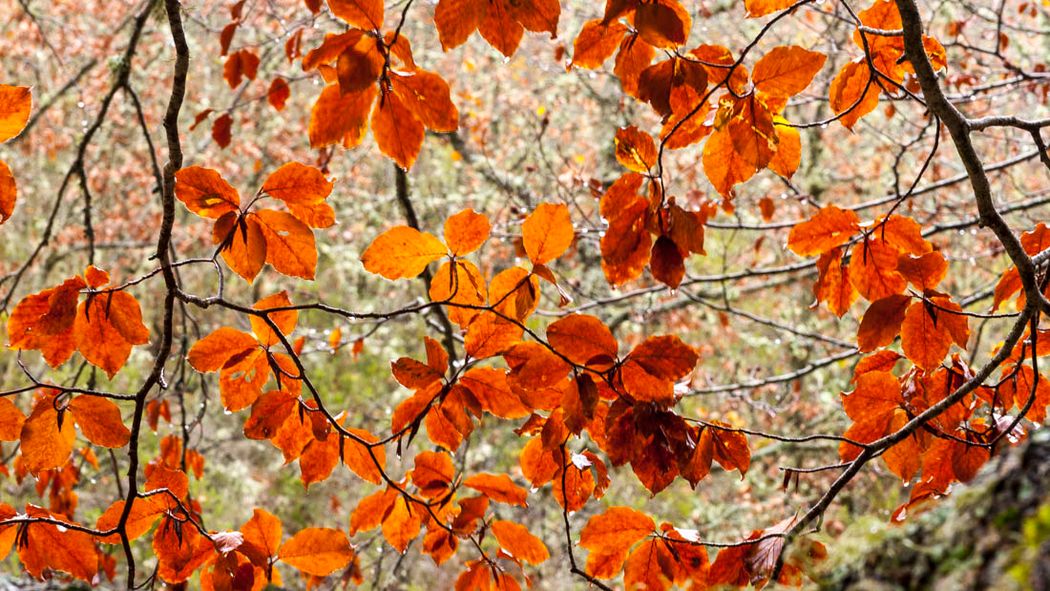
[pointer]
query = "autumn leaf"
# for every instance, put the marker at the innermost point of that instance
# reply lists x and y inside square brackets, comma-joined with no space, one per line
[16,102]
[205,193]
[618,528]
[46,442]
[829,228]
[398,133]
[426,95]
[854,93]
[516,540]
[364,14]
[596,43]
[547,233]
[297,184]
[759,8]
[786,70]
[662,23]
[402,524]
[317,551]
[11,420]
[100,421]
[466,231]
[882,322]
[213,351]
[290,246]
[499,488]
[49,546]
[262,535]
[584,340]
[242,242]
[402,252]
[635,149]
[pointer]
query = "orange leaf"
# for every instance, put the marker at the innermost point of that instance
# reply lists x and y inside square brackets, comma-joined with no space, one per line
[401,525]
[205,193]
[15,104]
[499,488]
[243,243]
[724,164]
[317,551]
[500,29]
[489,335]
[547,233]
[457,19]
[757,8]
[662,23]
[789,149]
[924,340]
[634,56]
[239,65]
[667,263]
[585,340]
[413,374]
[427,96]
[263,533]
[514,293]
[145,511]
[651,369]
[786,70]
[459,282]
[357,457]
[221,130]
[877,394]
[466,231]
[372,510]
[8,192]
[319,459]
[45,445]
[97,339]
[924,272]
[284,320]
[833,284]
[242,378]
[854,93]
[11,420]
[489,386]
[180,550]
[882,322]
[873,270]
[596,43]
[618,528]
[99,420]
[290,246]
[363,14]
[650,566]
[829,228]
[533,366]
[402,252]
[730,449]
[213,351]
[48,546]
[433,474]
[278,93]
[398,133]
[518,542]
[296,183]
[903,233]
[635,149]
[340,118]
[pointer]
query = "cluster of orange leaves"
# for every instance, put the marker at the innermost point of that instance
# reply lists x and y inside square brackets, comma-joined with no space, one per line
[583,404]
[889,263]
